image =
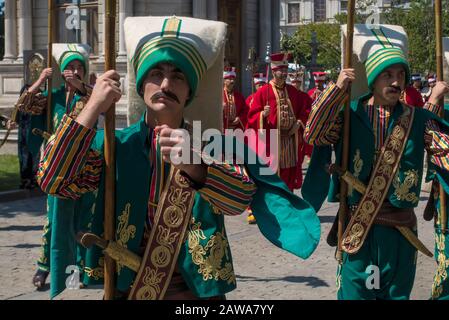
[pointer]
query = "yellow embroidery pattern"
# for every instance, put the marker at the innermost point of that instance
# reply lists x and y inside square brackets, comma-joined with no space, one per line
[97,272]
[338,278]
[443,265]
[172,220]
[43,257]
[402,189]
[56,120]
[209,258]
[151,280]
[358,165]
[124,232]
[79,106]
[378,186]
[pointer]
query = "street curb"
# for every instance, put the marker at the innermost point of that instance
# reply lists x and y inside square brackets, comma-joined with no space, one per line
[14,195]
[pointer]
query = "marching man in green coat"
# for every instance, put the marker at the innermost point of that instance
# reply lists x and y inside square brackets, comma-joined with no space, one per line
[386,153]
[440,286]
[69,98]
[170,234]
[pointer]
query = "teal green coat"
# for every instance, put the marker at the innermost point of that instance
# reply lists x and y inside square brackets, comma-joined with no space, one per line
[405,189]
[67,216]
[285,219]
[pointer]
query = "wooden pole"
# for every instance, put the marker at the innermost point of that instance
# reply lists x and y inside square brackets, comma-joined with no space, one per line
[343,211]
[49,65]
[440,77]
[109,152]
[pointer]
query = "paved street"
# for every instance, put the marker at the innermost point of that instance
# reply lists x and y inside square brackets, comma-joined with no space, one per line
[263,271]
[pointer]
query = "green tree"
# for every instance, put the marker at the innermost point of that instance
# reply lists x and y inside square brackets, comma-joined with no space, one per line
[418,21]
[328,38]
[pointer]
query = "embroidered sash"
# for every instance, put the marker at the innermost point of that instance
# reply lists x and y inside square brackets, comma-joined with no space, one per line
[384,171]
[167,235]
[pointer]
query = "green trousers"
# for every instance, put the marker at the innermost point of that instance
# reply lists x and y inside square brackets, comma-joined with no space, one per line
[440,287]
[79,213]
[43,263]
[383,269]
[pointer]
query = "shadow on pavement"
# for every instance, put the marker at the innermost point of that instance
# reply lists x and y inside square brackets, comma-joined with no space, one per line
[313,282]
[23,246]
[34,207]
[326,219]
[22,228]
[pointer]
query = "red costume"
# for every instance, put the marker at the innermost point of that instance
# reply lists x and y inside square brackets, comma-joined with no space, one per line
[258,79]
[249,99]
[318,77]
[314,93]
[412,97]
[235,108]
[291,105]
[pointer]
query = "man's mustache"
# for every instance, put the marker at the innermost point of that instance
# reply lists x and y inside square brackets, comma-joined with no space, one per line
[394,89]
[74,75]
[166,94]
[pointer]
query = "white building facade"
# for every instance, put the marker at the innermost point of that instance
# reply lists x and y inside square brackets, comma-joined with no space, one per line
[294,13]
[251,23]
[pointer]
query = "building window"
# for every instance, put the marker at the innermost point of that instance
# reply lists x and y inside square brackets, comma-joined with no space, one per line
[293,13]
[319,11]
[77,22]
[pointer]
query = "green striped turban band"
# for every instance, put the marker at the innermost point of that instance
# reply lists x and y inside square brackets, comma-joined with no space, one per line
[169,47]
[70,56]
[383,59]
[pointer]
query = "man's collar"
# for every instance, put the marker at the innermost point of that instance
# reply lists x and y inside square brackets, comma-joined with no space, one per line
[282,86]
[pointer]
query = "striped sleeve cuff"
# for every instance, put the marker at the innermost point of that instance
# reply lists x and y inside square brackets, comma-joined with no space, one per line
[32,103]
[65,156]
[434,108]
[437,144]
[228,188]
[324,113]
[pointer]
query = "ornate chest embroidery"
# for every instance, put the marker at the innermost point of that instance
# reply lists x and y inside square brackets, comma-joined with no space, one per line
[97,272]
[358,165]
[443,265]
[401,190]
[125,232]
[209,258]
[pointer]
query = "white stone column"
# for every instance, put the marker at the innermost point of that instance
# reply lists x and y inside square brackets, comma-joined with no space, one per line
[25,27]
[199,9]
[10,31]
[101,29]
[125,10]
[212,10]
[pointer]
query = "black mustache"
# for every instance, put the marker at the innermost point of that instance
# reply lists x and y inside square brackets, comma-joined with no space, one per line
[394,89]
[75,76]
[166,94]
